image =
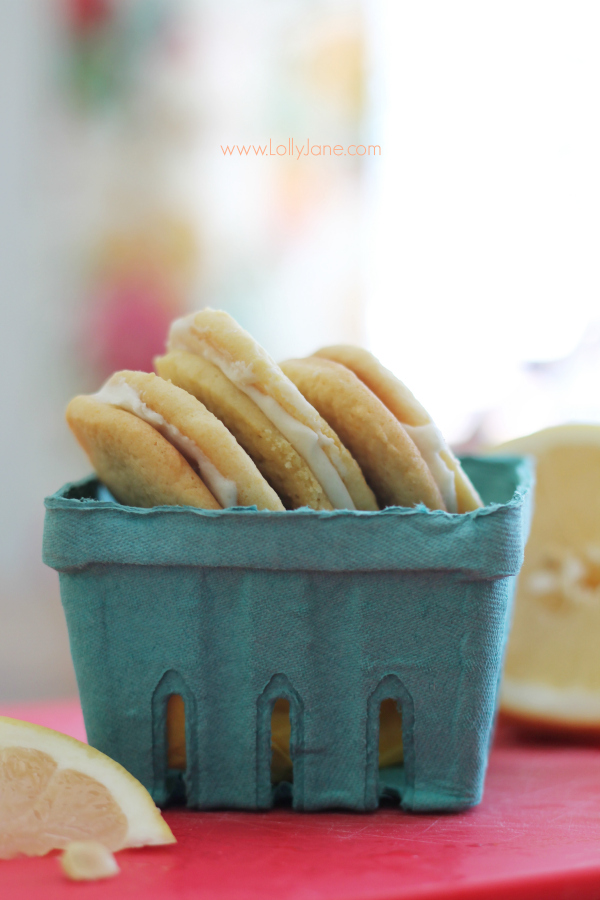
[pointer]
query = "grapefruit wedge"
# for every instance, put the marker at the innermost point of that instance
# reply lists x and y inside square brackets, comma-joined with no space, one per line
[552,671]
[55,790]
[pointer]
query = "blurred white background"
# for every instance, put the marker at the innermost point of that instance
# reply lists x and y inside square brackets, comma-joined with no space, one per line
[484,250]
[465,255]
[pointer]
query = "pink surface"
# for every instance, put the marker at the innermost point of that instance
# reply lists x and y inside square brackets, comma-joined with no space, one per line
[536,835]
[62,715]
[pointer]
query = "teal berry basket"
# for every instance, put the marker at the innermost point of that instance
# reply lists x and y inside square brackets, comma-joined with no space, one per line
[334,611]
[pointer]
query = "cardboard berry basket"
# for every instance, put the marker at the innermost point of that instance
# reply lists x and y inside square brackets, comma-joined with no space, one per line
[334,611]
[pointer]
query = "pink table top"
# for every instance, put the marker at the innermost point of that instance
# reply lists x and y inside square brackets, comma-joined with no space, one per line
[535,835]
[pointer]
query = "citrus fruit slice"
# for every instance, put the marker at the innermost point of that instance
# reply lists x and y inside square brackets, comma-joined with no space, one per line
[88,861]
[55,790]
[552,671]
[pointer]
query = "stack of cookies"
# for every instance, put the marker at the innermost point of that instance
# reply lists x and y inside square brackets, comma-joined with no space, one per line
[222,425]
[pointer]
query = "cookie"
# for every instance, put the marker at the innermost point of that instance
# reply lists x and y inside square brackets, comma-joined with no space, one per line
[152,443]
[391,751]
[456,488]
[138,465]
[278,462]
[215,336]
[389,459]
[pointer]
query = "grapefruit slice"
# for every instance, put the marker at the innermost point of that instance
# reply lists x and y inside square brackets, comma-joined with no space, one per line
[55,790]
[552,671]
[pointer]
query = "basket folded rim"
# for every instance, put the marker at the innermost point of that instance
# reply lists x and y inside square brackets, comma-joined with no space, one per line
[487,543]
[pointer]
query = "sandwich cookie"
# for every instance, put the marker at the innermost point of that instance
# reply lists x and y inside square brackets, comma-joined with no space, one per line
[389,459]
[456,488]
[154,444]
[281,465]
[216,338]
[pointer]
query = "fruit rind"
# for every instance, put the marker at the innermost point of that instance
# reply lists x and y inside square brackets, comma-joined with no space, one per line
[561,706]
[145,823]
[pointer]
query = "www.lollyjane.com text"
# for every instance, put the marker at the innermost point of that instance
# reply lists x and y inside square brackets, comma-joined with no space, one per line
[292,148]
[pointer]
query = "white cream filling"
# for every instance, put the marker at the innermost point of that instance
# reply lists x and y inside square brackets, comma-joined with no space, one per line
[123,396]
[307,443]
[430,444]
